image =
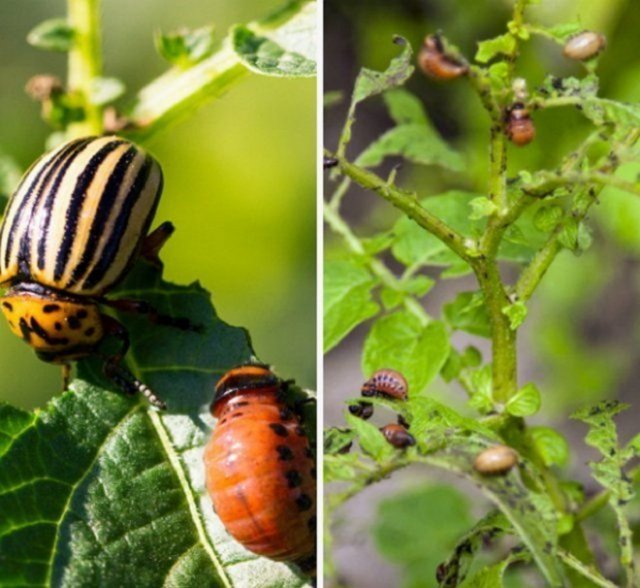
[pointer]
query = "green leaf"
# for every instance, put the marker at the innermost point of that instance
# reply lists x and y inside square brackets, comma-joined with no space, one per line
[502,45]
[455,448]
[415,139]
[547,217]
[97,483]
[405,107]
[371,440]
[467,312]
[400,342]
[525,402]
[282,51]
[185,47]
[550,445]
[563,32]
[417,143]
[481,385]
[399,530]
[105,90]
[481,207]
[338,440]
[52,35]
[492,576]
[575,235]
[371,83]
[347,299]
[516,312]
[456,568]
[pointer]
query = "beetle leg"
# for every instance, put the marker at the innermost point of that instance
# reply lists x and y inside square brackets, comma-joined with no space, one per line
[66,375]
[142,307]
[117,373]
[154,241]
[129,384]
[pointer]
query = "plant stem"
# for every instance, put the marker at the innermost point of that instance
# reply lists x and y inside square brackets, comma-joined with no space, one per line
[408,203]
[85,63]
[179,91]
[584,570]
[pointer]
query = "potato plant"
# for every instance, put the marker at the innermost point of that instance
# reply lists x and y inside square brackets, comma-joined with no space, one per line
[98,488]
[507,235]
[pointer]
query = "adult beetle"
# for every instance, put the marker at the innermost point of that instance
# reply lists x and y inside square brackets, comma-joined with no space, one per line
[71,231]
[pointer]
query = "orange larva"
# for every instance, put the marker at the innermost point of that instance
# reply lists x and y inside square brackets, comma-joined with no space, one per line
[495,460]
[584,45]
[260,471]
[386,382]
[398,436]
[436,64]
[519,125]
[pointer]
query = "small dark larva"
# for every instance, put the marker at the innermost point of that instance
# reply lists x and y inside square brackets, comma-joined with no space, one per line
[260,471]
[584,45]
[398,436]
[70,232]
[495,460]
[519,125]
[386,383]
[436,64]
[364,410]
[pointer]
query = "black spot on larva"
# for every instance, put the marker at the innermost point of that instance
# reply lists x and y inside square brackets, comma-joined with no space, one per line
[57,327]
[294,478]
[81,314]
[285,414]
[308,453]
[73,322]
[304,502]
[236,415]
[8,306]
[284,453]
[279,429]
[312,523]
[47,308]
[90,331]
[242,403]
[313,473]
[223,421]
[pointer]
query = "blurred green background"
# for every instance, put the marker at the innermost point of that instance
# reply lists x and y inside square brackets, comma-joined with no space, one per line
[581,340]
[240,180]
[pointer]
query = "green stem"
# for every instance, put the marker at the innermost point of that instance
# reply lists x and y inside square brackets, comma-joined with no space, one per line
[584,570]
[408,203]
[85,63]
[178,92]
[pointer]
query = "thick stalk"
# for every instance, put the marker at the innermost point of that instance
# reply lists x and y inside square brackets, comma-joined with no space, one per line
[85,63]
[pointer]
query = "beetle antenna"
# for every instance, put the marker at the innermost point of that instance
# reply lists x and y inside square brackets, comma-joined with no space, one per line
[125,380]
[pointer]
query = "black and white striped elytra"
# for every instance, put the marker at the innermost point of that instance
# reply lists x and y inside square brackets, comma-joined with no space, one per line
[71,231]
[78,217]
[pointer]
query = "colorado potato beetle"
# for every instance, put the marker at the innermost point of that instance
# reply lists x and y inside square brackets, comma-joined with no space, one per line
[584,45]
[495,460]
[398,436]
[520,129]
[386,382]
[260,471]
[70,233]
[436,64]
